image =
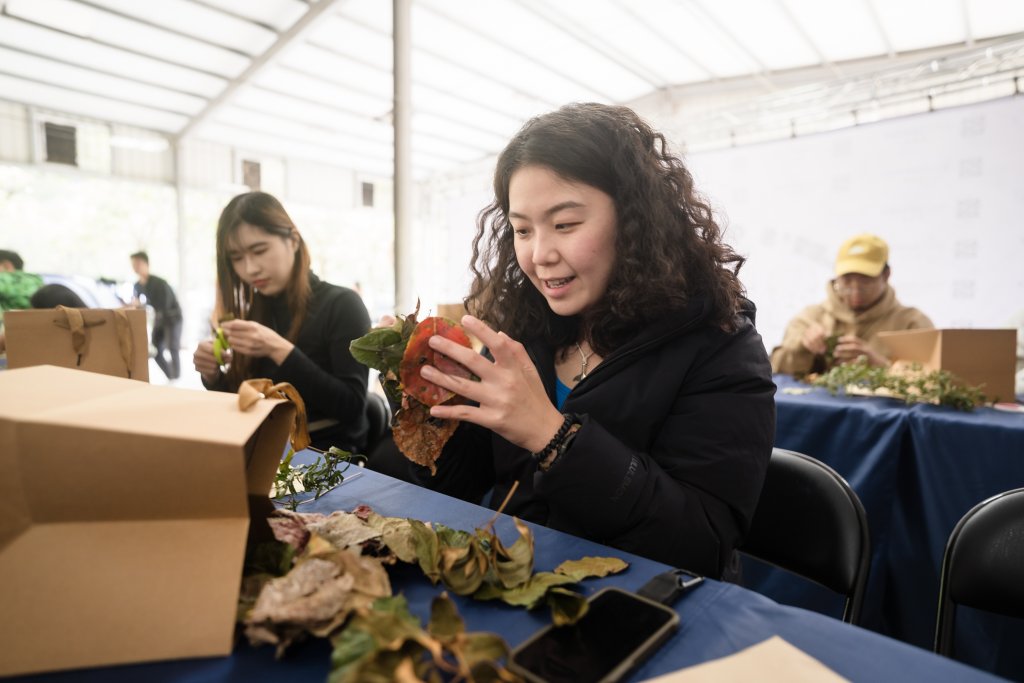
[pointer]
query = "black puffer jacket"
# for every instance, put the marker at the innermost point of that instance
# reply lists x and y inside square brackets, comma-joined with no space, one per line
[678,427]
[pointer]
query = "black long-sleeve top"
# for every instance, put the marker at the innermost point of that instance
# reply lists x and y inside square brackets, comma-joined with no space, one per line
[332,383]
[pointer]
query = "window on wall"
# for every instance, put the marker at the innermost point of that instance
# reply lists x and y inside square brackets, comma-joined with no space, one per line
[61,144]
[367,194]
[251,174]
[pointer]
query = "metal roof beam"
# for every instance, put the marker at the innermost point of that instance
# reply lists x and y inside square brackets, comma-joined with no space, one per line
[112,46]
[822,59]
[161,27]
[283,40]
[524,55]
[889,50]
[760,75]
[549,13]
[642,19]
[103,72]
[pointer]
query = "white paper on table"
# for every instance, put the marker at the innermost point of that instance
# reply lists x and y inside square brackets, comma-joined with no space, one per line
[770,660]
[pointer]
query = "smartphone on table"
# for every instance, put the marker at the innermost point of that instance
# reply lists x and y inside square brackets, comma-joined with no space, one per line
[619,630]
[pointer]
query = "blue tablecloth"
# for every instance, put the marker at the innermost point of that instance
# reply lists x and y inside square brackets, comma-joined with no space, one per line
[717,619]
[917,470]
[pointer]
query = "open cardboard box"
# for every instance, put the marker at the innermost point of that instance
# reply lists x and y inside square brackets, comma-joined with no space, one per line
[124,516]
[976,357]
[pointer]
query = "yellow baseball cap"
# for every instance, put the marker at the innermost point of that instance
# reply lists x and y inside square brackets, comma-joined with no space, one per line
[865,254]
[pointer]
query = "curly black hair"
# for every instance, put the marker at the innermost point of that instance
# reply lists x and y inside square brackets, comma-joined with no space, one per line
[669,249]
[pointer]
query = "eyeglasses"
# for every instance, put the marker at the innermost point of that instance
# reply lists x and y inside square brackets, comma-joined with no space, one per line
[860,283]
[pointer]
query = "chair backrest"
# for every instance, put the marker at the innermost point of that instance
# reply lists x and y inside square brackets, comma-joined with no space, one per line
[378,413]
[983,566]
[810,522]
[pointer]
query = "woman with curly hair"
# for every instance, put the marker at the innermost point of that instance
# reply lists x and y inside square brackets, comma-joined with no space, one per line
[624,386]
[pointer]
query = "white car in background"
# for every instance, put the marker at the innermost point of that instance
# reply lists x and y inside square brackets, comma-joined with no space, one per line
[95,293]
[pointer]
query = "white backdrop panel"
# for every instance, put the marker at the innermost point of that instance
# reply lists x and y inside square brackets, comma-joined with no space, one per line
[944,189]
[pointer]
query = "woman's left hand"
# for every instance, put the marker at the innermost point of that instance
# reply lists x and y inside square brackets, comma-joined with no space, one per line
[511,397]
[258,341]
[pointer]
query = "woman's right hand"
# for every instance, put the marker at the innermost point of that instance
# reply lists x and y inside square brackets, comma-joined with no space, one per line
[205,362]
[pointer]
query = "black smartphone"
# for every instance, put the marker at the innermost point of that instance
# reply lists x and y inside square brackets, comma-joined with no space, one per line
[619,630]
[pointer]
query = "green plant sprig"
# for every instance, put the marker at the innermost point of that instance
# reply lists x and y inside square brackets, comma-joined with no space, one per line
[916,386]
[320,477]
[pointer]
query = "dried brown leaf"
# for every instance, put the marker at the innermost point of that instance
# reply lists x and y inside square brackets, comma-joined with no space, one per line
[419,436]
[589,567]
[344,530]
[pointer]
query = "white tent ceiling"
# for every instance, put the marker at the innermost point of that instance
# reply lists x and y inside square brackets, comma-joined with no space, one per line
[313,79]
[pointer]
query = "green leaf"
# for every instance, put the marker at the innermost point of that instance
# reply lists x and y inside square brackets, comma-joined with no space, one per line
[445,622]
[396,604]
[397,534]
[389,628]
[270,557]
[566,606]
[529,594]
[427,549]
[376,349]
[463,568]
[588,567]
[514,565]
[483,647]
[350,647]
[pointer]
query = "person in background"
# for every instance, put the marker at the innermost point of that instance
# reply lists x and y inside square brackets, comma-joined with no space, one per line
[16,286]
[283,323]
[859,304]
[625,389]
[154,291]
[1017,320]
[53,295]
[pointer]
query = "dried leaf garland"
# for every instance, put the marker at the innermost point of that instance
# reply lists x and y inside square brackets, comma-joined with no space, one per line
[387,643]
[325,577]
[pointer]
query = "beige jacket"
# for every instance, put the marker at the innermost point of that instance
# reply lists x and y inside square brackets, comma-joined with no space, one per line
[839,319]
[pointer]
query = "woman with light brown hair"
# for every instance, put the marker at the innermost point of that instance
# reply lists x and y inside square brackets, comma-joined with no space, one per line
[283,323]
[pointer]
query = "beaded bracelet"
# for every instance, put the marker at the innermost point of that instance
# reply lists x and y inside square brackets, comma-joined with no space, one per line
[546,465]
[556,441]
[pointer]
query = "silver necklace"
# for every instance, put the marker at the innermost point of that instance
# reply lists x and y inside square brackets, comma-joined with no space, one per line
[584,357]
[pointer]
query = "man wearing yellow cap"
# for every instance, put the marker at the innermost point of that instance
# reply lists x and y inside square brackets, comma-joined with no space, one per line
[859,304]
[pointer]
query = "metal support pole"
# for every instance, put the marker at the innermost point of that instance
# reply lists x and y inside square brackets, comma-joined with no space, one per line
[403,181]
[179,192]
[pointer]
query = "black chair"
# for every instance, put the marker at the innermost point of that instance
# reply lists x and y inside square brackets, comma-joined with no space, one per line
[378,413]
[810,522]
[983,566]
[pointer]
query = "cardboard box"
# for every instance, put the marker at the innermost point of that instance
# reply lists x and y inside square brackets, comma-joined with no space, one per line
[123,516]
[976,357]
[453,312]
[106,344]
